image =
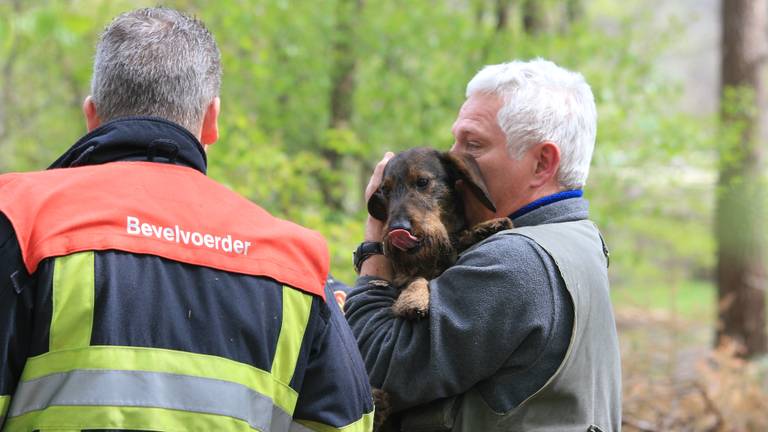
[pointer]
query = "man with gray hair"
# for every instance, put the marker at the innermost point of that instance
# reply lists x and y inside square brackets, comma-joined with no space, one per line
[520,333]
[138,294]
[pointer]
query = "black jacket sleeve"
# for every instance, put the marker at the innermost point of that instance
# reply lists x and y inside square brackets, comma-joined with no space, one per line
[335,393]
[15,313]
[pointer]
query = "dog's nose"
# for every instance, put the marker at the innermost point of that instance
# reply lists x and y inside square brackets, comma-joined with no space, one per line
[400,223]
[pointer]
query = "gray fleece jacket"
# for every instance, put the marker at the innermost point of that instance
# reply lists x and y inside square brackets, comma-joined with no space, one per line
[500,320]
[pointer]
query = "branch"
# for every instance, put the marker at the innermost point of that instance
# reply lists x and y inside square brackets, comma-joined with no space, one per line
[711,406]
[641,425]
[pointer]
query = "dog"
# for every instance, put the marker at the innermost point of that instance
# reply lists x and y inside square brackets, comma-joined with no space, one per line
[425,227]
[424,220]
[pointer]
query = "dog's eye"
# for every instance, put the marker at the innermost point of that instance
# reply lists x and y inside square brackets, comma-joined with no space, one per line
[422,182]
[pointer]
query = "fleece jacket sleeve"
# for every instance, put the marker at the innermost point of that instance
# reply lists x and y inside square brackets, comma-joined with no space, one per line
[494,310]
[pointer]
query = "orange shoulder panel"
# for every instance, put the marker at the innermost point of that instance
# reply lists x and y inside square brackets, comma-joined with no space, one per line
[158,209]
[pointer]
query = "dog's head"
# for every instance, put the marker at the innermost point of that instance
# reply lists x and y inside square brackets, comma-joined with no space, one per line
[419,203]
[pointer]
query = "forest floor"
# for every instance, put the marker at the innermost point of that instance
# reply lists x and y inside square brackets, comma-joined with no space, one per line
[672,378]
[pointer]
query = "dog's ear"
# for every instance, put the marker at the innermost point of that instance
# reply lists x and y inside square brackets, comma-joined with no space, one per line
[464,167]
[377,206]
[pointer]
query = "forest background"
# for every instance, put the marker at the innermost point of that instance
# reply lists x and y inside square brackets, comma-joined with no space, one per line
[314,92]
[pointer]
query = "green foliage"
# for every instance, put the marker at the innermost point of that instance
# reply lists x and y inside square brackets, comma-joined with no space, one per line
[45,65]
[689,300]
[652,176]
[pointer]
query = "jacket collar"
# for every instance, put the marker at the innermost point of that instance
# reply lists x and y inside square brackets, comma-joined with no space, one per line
[150,139]
[549,199]
[565,210]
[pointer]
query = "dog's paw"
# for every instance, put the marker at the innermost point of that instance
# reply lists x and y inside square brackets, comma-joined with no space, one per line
[483,230]
[413,301]
[496,225]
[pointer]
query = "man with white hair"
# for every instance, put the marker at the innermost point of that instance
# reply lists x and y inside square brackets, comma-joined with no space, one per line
[138,294]
[520,333]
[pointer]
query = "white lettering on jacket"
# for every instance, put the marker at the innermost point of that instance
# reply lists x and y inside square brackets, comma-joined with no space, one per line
[134,226]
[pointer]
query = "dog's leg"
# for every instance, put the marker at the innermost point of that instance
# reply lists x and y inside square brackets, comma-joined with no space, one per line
[482,231]
[413,301]
[383,408]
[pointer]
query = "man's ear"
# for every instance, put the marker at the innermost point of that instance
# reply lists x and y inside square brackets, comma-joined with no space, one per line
[209,133]
[464,167]
[92,120]
[547,158]
[377,206]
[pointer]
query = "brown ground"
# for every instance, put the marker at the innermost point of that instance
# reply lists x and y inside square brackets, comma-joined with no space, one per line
[674,381]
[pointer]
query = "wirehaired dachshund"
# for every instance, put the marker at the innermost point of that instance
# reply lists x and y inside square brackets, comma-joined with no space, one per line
[425,226]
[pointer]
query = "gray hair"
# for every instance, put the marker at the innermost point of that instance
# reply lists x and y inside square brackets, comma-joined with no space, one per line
[544,102]
[156,62]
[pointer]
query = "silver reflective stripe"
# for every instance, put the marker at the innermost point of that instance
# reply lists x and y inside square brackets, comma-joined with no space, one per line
[280,420]
[298,427]
[150,389]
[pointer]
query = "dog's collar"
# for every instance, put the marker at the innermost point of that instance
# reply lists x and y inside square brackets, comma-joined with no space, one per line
[549,199]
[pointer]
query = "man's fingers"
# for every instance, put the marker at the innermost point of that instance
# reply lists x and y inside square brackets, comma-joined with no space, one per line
[378,172]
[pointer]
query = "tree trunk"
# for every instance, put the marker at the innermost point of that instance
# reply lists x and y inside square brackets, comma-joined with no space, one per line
[572,13]
[478,7]
[574,10]
[533,17]
[502,15]
[342,92]
[343,79]
[740,218]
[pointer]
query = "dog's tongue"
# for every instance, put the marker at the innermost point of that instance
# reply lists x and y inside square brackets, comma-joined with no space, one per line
[402,239]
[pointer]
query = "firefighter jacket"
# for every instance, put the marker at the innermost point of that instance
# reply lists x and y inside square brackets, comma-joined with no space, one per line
[136,293]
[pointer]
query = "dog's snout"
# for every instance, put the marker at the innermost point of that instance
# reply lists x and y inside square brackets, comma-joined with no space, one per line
[400,223]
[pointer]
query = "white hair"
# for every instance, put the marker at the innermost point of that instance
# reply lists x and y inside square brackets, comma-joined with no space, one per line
[544,102]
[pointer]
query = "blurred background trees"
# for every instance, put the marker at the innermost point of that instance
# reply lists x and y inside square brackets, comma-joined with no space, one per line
[314,92]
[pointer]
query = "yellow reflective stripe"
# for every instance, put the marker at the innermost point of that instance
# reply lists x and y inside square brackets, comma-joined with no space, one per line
[5,402]
[365,424]
[73,297]
[109,417]
[162,360]
[296,308]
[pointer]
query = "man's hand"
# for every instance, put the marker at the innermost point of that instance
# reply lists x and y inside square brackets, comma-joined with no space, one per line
[377,265]
[373,226]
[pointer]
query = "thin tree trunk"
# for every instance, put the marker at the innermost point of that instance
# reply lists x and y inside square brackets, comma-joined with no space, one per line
[342,93]
[502,15]
[479,9]
[344,64]
[533,17]
[574,10]
[740,218]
